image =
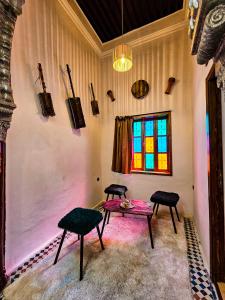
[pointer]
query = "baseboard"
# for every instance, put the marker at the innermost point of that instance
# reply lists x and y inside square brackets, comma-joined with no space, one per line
[32,254]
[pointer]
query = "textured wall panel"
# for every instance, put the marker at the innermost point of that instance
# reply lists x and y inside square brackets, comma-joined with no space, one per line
[161,59]
[51,168]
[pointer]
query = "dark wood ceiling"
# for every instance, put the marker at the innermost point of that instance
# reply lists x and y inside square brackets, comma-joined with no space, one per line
[105,15]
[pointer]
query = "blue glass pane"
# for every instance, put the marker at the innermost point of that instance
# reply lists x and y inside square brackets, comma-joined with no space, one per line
[137,128]
[149,161]
[149,128]
[137,144]
[162,127]
[162,144]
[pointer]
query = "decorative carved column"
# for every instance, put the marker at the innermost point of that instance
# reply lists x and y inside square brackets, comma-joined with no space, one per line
[9,10]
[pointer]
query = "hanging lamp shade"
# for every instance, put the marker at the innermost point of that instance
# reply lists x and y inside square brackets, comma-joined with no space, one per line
[122,58]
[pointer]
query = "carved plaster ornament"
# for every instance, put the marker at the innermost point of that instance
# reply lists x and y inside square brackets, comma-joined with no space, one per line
[212,35]
[209,37]
[9,10]
[221,78]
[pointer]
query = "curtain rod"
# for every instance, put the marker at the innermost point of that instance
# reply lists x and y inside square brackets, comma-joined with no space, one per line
[155,113]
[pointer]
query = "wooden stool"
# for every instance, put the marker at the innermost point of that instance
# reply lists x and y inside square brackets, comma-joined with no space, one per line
[168,199]
[115,189]
[80,221]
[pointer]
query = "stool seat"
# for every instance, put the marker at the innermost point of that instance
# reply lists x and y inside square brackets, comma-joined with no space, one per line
[81,220]
[116,189]
[165,198]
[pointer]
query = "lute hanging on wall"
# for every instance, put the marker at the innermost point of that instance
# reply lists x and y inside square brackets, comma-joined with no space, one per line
[94,103]
[74,105]
[45,98]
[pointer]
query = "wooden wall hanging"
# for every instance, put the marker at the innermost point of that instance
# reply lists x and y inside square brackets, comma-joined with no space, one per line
[45,98]
[171,82]
[94,103]
[111,96]
[74,106]
[140,89]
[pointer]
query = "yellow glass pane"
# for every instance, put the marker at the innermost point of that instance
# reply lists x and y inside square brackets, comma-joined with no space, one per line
[137,160]
[149,144]
[162,161]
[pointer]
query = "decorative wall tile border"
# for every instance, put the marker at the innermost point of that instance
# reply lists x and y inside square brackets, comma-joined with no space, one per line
[39,256]
[201,284]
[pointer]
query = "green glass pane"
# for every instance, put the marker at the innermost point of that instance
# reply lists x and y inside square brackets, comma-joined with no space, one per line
[137,128]
[162,127]
[149,161]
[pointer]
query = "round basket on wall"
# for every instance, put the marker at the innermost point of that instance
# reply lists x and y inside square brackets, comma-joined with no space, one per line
[140,89]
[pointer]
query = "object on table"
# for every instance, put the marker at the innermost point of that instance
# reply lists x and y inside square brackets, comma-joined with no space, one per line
[126,204]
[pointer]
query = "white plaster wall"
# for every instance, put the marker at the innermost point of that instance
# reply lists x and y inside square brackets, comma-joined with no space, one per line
[50,167]
[156,62]
[201,207]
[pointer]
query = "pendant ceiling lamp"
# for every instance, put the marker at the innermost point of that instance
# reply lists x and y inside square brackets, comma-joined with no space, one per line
[122,54]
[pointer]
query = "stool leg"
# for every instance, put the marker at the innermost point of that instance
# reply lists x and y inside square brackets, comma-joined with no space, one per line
[150,231]
[103,225]
[122,213]
[107,198]
[108,218]
[154,207]
[157,208]
[125,196]
[100,238]
[177,214]
[78,237]
[81,256]
[113,196]
[174,225]
[60,246]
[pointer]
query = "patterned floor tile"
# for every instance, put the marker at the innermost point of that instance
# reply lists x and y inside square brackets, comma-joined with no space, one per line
[201,285]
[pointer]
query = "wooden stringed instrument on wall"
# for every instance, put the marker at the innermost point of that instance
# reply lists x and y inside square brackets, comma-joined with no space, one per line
[94,103]
[45,98]
[74,105]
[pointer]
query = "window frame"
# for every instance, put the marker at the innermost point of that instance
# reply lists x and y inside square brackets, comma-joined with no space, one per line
[154,116]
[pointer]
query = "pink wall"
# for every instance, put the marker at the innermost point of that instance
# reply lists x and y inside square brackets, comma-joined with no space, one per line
[50,167]
[201,208]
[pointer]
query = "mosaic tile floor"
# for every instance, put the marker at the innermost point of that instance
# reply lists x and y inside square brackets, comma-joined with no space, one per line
[201,285]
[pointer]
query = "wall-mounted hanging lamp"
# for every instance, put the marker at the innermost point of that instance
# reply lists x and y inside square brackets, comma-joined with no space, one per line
[122,54]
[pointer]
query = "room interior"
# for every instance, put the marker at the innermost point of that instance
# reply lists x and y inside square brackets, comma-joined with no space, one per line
[55,159]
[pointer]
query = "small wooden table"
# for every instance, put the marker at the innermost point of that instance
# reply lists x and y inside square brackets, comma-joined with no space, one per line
[140,208]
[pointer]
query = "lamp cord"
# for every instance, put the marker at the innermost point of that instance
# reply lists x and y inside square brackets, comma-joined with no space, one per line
[122,14]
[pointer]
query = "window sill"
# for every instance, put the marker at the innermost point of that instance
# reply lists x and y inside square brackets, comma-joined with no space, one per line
[152,173]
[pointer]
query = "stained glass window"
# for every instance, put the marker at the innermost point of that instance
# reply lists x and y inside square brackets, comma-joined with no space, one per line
[152,144]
